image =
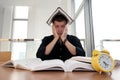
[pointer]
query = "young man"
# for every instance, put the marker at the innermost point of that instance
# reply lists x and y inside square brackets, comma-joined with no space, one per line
[60,45]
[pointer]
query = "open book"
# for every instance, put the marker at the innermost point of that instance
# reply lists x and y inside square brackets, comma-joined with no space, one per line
[58,11]
[36,64]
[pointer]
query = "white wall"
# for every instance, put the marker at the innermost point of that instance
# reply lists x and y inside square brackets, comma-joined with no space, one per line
[6,27]
[1,20]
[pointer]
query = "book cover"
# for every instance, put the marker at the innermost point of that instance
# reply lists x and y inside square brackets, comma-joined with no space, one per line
[59,10]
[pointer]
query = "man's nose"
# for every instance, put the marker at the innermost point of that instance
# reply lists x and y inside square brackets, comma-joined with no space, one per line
[60,29]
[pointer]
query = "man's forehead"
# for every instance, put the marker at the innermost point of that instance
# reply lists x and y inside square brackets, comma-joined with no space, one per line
[59,22]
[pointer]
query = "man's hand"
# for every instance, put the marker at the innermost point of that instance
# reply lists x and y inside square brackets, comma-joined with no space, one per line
[54,32]
[50,46]
[64,34]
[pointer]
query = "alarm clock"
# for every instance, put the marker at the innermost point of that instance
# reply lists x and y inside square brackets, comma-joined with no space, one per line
[102,61]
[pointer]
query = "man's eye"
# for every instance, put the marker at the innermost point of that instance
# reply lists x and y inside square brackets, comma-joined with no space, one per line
[56,26]
[63,26]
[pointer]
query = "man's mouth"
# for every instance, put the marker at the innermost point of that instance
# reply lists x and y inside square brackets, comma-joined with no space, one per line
[59,34]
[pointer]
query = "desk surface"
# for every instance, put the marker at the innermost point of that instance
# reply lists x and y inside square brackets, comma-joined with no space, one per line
[17,74]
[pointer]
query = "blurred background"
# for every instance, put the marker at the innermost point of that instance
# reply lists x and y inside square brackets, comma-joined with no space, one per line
[23,25]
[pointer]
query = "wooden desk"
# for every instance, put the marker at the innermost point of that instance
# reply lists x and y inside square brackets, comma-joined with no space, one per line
[17,74]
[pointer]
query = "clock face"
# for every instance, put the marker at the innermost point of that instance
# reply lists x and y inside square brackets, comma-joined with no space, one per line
[105,61]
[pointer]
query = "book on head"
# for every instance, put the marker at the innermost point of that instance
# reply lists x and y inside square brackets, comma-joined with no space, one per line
[36,64]
[59,11]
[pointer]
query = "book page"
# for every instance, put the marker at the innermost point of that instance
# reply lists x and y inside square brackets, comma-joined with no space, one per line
[77,65]
[54,64]
[81,59]
[35,64]
[23,63]
[27,63]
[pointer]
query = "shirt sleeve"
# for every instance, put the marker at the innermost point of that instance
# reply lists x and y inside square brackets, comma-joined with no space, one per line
[41,50]
[79,49]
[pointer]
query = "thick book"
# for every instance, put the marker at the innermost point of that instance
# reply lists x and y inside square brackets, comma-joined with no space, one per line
[36,64]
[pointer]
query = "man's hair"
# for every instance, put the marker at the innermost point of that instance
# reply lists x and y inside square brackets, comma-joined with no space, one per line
[59,17]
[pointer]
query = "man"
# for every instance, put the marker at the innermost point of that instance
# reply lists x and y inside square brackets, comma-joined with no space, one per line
[60,45]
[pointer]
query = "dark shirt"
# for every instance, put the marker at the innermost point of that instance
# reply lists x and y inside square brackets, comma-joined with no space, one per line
[59,51]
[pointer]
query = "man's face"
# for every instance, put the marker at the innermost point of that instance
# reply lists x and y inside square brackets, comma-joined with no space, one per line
[59,26]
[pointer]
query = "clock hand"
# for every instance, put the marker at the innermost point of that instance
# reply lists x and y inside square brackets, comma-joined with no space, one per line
[106,64]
